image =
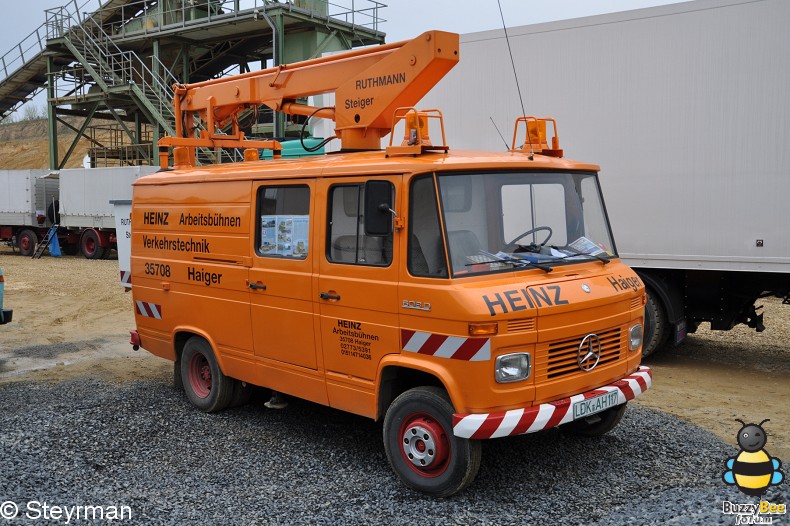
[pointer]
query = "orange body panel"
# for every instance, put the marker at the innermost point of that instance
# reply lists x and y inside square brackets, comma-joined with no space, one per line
[324,330]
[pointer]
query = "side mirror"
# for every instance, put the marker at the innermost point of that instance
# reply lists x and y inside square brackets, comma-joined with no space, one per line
[378,208]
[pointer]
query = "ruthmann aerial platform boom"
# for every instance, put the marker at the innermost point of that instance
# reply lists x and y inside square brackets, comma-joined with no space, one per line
[369,85]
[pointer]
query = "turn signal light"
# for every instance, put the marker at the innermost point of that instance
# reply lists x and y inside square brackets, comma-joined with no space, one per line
[483,329]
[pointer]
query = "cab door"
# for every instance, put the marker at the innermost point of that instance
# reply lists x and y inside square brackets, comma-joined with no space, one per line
[358,293]
[281,298]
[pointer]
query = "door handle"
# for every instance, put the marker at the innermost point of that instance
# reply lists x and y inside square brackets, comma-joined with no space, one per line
[255,286]
[328,296]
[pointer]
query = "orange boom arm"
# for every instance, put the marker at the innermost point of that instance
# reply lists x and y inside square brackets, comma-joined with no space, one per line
[369,84]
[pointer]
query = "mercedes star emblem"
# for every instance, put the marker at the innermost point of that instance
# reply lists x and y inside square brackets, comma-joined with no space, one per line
[589,352]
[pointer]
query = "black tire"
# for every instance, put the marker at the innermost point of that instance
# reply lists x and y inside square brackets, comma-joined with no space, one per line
[656,330]
[204,383]
[70,249]
[89,245]
[53,212]
[26,241]
[596,425]
[178,383]
[449,463]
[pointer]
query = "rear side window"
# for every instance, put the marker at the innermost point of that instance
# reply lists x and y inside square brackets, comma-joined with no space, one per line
[284,221]
[347,242]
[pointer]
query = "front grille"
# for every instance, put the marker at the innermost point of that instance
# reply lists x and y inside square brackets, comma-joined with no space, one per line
[560,359]
[524,324]
[636,303]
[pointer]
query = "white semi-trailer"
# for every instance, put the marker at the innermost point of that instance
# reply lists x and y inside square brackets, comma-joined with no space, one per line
[77,200]
[687,109]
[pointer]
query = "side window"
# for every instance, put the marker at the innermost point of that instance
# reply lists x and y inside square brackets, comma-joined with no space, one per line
[347,242]
[426,249]
[283,221]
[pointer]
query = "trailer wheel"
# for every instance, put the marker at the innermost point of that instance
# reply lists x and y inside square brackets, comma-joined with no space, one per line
[596,425]
[204,383]
[26,241]
[655,324]
[421,447]
[89,245]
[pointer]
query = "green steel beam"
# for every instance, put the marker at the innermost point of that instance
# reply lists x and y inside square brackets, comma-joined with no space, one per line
[51,117]
[79,135]
[279,47]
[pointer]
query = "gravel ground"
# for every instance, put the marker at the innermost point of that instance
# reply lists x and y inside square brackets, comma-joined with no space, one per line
[140,444]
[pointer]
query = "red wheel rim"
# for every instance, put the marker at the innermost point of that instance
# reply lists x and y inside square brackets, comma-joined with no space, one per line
[424,445]
[90,245]
[25,243]
[200,375]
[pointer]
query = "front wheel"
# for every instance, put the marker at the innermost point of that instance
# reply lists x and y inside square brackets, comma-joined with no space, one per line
[596,425]
[204,383]
[421,447]
[656,331]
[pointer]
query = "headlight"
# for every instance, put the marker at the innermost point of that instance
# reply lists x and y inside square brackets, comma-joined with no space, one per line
[635,337]
[512,367]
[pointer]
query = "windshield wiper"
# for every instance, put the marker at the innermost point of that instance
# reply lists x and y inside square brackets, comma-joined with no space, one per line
[580,253]
[515,261]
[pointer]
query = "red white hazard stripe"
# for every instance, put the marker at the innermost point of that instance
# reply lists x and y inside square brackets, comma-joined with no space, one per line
[126,278]
[544,416]
[441,346]
[149,310]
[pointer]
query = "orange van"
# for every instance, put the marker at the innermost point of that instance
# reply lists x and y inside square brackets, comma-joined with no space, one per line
[457,296]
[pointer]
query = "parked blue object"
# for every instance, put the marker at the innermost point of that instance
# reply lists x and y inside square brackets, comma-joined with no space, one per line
[54,247]
[5,314]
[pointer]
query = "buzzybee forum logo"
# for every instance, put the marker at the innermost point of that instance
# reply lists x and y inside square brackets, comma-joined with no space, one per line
[753,469]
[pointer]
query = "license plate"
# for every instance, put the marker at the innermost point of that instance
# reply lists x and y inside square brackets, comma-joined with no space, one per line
[596,404]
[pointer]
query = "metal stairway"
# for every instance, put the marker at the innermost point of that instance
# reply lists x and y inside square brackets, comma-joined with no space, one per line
[92,51]
[41,247]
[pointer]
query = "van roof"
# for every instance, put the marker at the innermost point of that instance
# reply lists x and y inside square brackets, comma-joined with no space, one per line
[363,163]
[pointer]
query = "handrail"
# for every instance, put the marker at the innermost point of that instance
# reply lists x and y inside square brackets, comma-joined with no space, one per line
[33,44]
[139,17]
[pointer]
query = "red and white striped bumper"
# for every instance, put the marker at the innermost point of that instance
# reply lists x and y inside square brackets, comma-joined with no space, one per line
[545,416]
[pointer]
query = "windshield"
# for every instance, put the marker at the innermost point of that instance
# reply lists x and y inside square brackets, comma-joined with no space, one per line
[497,222]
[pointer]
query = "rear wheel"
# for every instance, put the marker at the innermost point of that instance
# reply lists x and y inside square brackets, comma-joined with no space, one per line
[597,424]
[204,383]
[655,324]
[421,447]
[26,241]
[89,245]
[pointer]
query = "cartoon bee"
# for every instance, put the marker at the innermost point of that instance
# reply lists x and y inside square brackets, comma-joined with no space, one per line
[753,469]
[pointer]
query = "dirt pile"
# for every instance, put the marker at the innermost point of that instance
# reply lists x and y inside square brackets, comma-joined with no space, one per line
[25,145]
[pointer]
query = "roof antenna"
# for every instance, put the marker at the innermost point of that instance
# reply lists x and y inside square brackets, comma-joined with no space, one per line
[499,132]
[512,63]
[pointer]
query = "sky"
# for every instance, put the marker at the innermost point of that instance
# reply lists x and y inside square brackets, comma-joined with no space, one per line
[405,18]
